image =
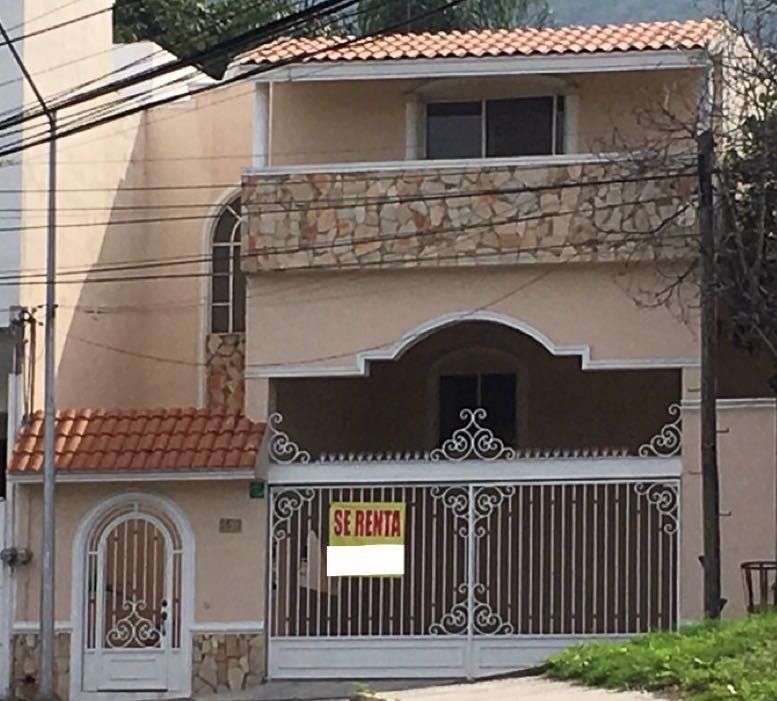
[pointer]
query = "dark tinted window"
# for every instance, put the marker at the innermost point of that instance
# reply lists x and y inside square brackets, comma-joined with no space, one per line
[457,392]
[519,127]
[497,397]
[494,392]
[454,130]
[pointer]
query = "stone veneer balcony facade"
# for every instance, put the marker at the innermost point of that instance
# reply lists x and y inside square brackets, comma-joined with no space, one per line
[486,213]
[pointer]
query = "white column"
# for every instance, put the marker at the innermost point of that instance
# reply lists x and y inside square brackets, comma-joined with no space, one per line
[413,150]
[260,147]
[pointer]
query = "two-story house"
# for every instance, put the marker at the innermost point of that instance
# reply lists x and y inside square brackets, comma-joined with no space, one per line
[417,270]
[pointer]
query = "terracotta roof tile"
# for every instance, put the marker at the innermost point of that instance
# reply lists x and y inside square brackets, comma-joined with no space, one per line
[691,34]
[105,440]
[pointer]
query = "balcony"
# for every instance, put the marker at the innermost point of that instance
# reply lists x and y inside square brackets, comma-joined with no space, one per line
[485,212]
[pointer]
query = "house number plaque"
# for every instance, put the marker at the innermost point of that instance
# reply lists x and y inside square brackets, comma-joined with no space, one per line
[230,525]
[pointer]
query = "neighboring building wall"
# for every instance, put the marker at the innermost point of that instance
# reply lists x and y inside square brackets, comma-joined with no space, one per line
[747,440]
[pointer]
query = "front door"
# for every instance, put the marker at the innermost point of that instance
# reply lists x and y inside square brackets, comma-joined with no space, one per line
[132,604]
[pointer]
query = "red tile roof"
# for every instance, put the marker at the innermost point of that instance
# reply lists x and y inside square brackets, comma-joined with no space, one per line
[691,34]
[126,440]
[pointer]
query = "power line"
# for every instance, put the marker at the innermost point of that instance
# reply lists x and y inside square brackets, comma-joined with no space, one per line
[174,361]
[13,277]
[324,205]
[340,4]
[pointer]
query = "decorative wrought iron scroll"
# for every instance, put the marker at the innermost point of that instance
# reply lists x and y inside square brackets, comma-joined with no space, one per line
[282,449]
[485,621]
[134,630]
[473,441]
[666,498]
[285,504]
[667,443]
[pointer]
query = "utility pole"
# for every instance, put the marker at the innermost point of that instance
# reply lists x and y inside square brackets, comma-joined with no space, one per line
[709,342]
[46,643]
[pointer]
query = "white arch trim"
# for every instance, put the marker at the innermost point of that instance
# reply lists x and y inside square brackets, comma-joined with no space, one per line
[77,593]
[396,350]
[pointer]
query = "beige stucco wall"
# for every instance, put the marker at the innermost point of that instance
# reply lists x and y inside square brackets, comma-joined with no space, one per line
[324,320]
[747,445]
[229,568]
[350,121]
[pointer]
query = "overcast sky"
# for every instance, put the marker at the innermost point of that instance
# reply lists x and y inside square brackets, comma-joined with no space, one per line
[607,11]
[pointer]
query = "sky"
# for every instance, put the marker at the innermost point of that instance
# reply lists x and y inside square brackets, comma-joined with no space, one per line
[609,11]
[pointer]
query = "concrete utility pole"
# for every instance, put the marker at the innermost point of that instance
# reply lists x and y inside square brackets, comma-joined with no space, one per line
[46,670]
[709,343]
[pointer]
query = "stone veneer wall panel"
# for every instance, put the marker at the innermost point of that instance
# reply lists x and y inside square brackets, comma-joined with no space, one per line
[472,216]
[227,662]
[225,368]
[24,667]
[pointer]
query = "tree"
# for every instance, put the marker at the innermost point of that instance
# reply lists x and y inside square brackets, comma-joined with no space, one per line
[470,14]
[185,27]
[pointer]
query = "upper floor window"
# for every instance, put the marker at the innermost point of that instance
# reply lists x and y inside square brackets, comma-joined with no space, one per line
[228,283]
[494,392]
[522,126]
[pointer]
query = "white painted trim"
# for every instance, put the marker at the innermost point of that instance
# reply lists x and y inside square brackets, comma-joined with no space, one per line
[409,339]
[730,404]
[25,627]
[233,627]
[547,161]
[226,475]
[473,67]
[208,228]
[88,522]
[542,470]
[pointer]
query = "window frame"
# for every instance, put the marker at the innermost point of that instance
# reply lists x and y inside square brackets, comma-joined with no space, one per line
[232,208]
[559,129]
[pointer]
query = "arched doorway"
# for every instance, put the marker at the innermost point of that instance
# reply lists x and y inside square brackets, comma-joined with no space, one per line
[135,553]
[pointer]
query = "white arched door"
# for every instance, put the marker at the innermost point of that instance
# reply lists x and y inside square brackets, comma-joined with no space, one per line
[133,602]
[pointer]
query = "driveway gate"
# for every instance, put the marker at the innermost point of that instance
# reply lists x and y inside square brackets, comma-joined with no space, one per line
[497,575]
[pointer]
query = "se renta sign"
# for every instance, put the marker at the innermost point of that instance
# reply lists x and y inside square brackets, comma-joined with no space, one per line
[366,539]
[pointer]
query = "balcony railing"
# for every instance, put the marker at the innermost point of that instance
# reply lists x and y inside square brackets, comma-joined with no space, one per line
[474,213]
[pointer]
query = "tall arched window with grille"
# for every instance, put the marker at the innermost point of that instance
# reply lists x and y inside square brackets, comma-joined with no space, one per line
[228,283]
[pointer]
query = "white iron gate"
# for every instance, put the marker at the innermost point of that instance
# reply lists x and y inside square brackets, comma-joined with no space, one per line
[497,576]
[132,615]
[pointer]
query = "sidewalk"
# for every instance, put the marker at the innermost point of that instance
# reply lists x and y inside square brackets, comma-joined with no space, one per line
[517,689]
[534,688]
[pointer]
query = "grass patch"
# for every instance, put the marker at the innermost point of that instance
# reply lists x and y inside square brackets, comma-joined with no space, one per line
[705,662]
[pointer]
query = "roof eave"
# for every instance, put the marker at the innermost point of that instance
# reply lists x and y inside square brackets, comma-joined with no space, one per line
[475,66]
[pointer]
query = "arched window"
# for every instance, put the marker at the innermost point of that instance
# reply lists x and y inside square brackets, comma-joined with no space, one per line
[228,283]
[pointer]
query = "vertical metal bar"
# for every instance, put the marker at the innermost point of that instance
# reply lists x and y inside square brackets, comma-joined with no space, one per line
[471,555]
[271,590]
[444,604]
[543,565]
[563,535]
[382,579]
[595,579]
[115,582]
[323,585]
[627,572]
[422,597]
